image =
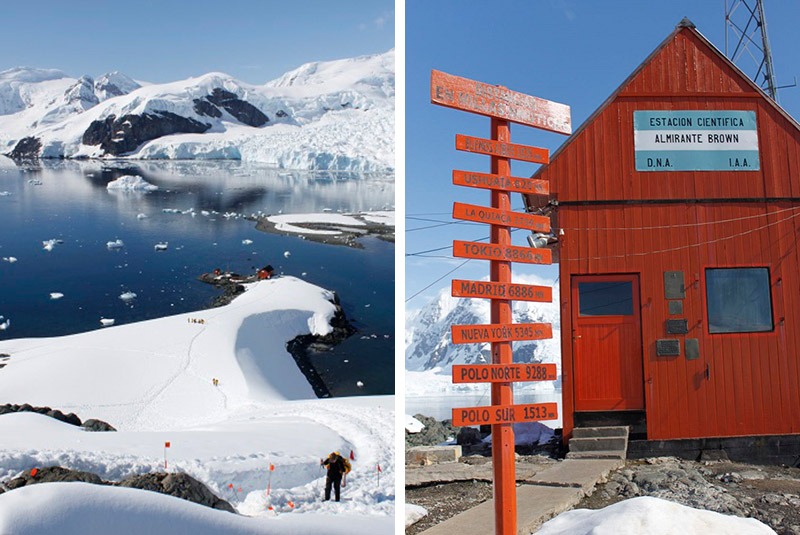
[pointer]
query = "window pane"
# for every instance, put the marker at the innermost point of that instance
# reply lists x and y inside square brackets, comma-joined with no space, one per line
[605,298]
[739,300]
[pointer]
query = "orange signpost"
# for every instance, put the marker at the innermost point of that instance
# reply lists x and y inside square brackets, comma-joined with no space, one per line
[500,332]
[502,106]
[505,253]
[499,102]
[524,153]
[481,214]
[498,290]
[494,373]
[504,414]
[500,182]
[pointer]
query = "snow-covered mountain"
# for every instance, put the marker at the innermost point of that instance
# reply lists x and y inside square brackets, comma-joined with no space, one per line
[428,339]
[336,115]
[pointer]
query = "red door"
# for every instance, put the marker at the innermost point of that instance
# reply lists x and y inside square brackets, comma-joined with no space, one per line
[607,343]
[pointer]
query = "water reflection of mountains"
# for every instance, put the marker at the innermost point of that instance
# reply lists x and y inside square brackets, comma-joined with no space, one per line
[231,186]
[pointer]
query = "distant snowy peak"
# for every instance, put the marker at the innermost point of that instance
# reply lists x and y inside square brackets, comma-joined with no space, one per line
[18,87]
[114,84]
[374,73]
[336,115]
[428,338]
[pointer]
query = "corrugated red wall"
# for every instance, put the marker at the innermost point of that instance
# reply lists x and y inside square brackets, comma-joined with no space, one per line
[699,219]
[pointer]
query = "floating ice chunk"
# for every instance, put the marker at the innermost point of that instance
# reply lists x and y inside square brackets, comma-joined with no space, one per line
[5,193]
[106,322]
[303,274]
[6,324]
[35,182]
[48,245]
[56,295]
[161,246]
[287,254]
[205,212]
[367,305]
[326,210]
[359,384]
[141,216]
[131,183]
[128,296]
[247,242]
[116,244]
[10,259]
[170,210]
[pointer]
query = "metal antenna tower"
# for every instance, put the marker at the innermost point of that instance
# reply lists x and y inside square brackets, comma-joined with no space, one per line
[744,20]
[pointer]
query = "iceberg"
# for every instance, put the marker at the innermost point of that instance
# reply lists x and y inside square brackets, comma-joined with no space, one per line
[131,183]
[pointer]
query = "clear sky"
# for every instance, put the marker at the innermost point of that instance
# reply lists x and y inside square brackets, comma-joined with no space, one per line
[576,52]
[166,40]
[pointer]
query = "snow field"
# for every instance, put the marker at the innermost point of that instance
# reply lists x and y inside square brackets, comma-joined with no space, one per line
[153,381]
[653,516]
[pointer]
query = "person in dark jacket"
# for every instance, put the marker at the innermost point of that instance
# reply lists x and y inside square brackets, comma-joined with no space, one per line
[337,467]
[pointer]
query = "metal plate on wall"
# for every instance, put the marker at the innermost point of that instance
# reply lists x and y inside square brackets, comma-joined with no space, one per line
[668,347]
[673,285]
[692,349]
[677,326]
[675,307]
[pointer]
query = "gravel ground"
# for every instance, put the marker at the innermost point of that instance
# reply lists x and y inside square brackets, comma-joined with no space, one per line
[770,494]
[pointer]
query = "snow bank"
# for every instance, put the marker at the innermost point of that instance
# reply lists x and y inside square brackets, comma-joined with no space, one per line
[414,513]
[131,183]
[413,425]
[80,508]
[652,516]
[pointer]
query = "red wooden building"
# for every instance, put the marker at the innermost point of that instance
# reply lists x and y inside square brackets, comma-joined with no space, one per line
[677,211]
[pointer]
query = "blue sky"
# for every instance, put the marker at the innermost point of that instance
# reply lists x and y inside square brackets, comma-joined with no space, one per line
[166,40]
[569,51]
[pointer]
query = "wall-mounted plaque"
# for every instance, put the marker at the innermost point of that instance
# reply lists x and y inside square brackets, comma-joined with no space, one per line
[675,307]
[692,349]
[668,347]
[673,285]
[677,326]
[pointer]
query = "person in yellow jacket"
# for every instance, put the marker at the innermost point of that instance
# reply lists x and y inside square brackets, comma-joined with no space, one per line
[337,467]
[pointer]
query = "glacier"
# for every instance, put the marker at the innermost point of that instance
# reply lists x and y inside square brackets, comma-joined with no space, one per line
[335,115]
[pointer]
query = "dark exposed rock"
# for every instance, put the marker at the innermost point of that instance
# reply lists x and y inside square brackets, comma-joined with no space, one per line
[117,136]
[70,418]
[52,474]
[27,148]
[204,107]
[434,432]
[467,436]
[179,485]
[242,110]
[94,424]
[281,114]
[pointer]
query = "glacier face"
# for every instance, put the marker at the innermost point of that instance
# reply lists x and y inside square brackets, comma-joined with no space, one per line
[336,115]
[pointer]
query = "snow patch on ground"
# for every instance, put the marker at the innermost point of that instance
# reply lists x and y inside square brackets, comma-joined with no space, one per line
[652,516]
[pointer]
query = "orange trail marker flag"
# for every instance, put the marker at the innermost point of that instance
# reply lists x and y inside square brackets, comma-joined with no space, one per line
[269,481]
[166,446]
[34,471]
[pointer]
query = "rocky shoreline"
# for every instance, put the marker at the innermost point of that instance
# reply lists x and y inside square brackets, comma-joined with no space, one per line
[347,235]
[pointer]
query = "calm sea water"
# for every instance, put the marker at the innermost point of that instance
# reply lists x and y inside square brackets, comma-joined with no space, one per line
[68,201]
